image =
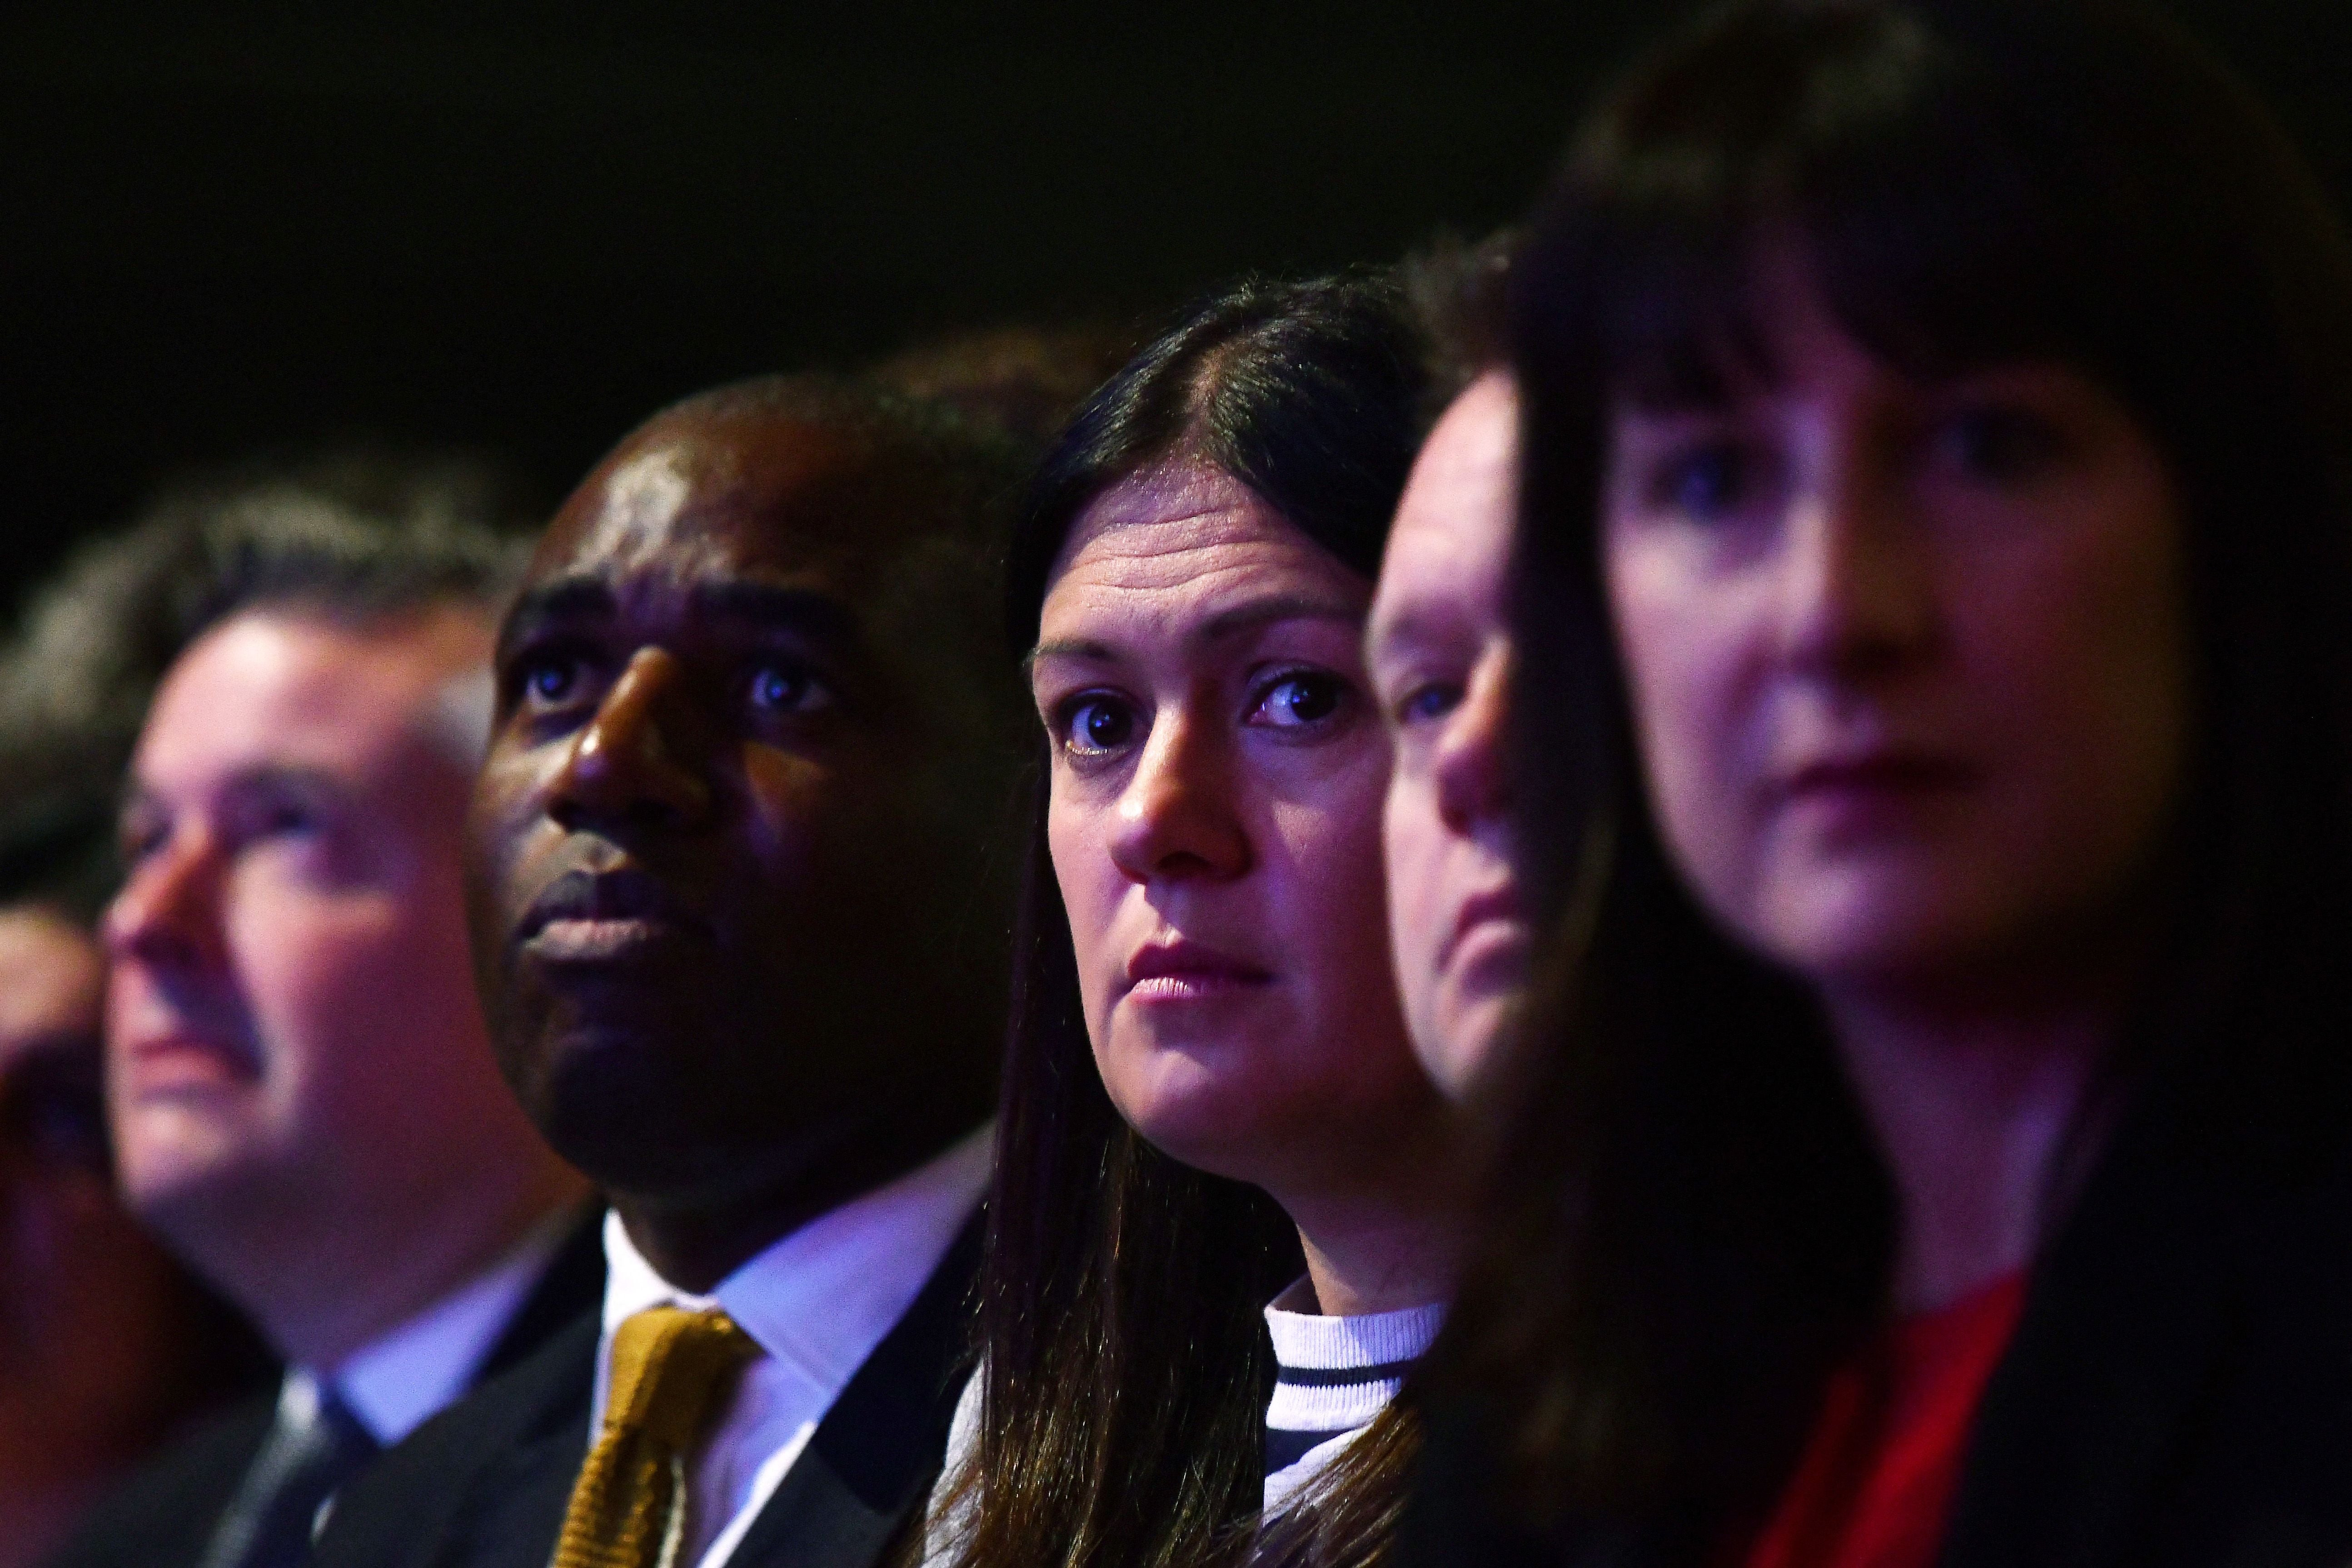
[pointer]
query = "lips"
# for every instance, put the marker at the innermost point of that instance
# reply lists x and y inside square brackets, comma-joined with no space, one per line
[601,918]
[1488,923]
[1183,969]
[1885,774]
[180,1061]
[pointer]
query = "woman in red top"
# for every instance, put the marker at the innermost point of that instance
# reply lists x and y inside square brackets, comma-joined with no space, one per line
[1937,757]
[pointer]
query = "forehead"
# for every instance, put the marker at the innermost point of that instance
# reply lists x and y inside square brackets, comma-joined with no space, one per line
[1453,522]
[279,690]
[1173,546]
[700,500]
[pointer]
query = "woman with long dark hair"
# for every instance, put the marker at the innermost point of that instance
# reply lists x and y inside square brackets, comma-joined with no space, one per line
[1209,1099]
[1936,722]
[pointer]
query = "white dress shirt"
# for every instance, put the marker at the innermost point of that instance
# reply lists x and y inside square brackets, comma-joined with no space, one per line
[816,1303]
[401,1379]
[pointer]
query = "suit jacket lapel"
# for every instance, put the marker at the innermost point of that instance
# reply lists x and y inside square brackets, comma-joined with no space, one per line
[869,1465]
[514,1505]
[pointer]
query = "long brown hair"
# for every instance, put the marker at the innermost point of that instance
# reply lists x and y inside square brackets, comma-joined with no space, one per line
[1695,1225]
[1124,1360]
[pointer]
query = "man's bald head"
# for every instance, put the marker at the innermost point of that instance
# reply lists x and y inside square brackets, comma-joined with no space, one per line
[903,500]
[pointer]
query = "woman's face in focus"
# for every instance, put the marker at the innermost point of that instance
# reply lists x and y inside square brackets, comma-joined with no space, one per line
[1908,661]
[1214,823]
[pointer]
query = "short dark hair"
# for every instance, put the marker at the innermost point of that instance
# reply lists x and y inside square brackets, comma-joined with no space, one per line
[1458,292]
[356,534]
[1025,381]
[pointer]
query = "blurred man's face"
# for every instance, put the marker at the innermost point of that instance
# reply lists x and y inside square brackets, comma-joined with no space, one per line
[1440,647]
[291,1028]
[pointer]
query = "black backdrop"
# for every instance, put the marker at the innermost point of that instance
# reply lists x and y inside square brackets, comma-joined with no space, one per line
[521,224]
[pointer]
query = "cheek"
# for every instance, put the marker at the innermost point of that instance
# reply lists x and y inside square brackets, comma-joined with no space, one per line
[1091,887]
[311,966]
[2082,683]
[1328,879]
[1681,650]
[1412,842]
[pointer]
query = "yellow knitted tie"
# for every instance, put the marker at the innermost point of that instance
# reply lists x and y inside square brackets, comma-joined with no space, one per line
[669,1368]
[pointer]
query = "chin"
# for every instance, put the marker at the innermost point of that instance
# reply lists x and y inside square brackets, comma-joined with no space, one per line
[1457,1048]
[1884,929]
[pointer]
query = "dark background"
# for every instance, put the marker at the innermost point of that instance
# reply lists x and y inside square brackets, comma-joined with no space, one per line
[522,225]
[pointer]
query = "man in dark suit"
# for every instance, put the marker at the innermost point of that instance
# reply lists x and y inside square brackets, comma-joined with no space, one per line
[300,1091]
[738,926]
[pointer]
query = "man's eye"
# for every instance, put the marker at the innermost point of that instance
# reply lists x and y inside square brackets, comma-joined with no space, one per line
[1432,699]
[281,818]
[786,689]
[1097,725]
[1306,697]
[548,680]
[138,840]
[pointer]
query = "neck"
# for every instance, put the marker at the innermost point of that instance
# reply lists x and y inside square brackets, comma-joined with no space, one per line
[1387,1240]
[695,1245]
[1972,1106]
[347,1290]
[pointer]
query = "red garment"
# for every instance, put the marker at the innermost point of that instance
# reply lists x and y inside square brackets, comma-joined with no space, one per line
[1878,1473]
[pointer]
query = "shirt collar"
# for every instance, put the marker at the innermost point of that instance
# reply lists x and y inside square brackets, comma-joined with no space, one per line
[821,1298]
[395,1383]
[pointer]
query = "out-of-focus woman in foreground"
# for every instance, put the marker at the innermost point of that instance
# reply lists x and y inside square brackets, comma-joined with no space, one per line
[1936,630]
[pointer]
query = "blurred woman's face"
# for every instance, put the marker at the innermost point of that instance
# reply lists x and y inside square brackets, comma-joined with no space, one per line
[1908,661]
[1214,823]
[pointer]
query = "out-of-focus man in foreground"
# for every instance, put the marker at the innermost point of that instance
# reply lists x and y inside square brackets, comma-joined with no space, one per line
[300,1086]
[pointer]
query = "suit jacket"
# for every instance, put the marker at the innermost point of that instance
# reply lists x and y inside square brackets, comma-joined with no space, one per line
[2178,1393]
[485,1484]
[163,1515]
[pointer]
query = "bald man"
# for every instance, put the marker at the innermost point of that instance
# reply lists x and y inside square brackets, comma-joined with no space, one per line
[738,919]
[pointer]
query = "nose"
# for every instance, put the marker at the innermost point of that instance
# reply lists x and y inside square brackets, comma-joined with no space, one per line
[636,763]
[168,915]
[1471,767]
[1858,588]
[1176,816]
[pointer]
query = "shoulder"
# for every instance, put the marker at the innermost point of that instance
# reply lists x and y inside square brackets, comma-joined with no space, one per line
[948,1517]
[412,1498]
[165,1511]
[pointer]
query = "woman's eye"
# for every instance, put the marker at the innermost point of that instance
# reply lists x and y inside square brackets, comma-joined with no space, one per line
[1999,445]
[786,689]
[1704,482]
[1095,725]
[1306,698]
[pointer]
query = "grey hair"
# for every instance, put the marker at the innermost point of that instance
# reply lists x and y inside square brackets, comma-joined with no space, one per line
[352,536]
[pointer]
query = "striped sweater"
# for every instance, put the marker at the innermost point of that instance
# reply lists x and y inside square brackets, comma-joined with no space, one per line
[1333,1375]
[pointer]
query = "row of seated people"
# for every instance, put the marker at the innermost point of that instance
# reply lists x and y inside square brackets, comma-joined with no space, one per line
[1674,894]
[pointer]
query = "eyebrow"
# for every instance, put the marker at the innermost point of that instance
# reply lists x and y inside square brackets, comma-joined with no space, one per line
[763,605]
[134,796]
[1225,624]
[576,598]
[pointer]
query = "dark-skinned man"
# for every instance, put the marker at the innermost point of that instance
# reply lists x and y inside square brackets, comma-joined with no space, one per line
[733,872]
